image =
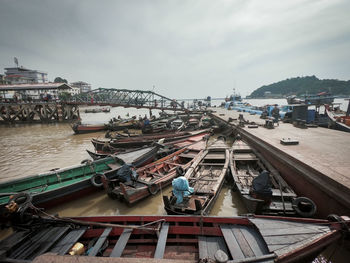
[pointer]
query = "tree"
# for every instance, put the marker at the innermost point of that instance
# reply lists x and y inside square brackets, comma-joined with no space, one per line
[60,80]
[304,85]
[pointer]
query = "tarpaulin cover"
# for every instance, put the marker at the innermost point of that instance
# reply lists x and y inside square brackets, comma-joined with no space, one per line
[181,188]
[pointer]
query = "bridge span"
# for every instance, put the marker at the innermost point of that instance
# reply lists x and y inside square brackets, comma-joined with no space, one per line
[126,98]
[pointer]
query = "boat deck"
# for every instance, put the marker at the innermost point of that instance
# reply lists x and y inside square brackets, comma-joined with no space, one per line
[190,239]
[322,154]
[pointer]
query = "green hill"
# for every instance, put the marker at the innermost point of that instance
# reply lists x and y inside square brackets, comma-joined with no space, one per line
[304,85]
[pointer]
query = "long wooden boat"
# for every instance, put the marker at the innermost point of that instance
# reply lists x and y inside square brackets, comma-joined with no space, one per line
[57,186]
[246,165]
[206,176]
[122,125]
[138,141]
[170,147]
[171,239]
[153,177]
[97,110]
[87,128]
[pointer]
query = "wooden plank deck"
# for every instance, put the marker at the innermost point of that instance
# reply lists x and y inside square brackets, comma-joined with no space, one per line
[243,243]
[99,243]
[121,243]
[208,246]
[281,237]
[63,246]
[159,253]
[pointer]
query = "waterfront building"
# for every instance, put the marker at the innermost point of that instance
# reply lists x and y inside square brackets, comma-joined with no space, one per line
[3,80]
[31,92]
[83,86]
[74,90]
[21,75]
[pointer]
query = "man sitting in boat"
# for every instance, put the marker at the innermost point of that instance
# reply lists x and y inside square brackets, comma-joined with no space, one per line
[261,186]
[127,173]
[181,188]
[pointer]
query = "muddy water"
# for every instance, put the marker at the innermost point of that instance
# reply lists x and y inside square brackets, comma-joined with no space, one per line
[32,149]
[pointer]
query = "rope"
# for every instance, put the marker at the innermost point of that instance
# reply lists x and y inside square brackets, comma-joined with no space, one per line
[90,223]
[284,206]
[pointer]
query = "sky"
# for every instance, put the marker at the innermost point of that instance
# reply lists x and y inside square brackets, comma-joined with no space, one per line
[179,49]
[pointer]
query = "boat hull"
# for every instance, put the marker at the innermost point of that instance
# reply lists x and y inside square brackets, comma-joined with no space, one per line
[206,176]
[61,185]
[278,198]
[82,129]
[155,176]
[139,141]
[171,239]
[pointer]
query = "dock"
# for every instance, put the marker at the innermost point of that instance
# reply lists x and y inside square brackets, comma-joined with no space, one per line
[318,167]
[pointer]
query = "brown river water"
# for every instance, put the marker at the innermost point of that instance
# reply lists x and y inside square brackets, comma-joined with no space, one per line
[27,150]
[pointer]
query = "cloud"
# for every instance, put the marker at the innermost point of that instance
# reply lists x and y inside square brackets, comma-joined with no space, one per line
[187,49]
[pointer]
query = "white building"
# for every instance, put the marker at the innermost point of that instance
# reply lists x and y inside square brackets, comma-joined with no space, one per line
[74,91]
[43,91]
[83,86]
[21,75]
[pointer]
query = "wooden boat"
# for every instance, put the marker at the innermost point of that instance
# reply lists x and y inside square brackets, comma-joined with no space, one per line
[171,239]
[321,98]
[340,122]
[246,164]
[153,177]
[206,175]
[122,125]
[138,141]
[192,123]
[87,128]
[97,110]
[59,185]
[205,122]
[169,147]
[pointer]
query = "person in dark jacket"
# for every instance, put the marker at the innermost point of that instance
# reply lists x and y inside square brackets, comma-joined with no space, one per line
[261,186]
[127,173]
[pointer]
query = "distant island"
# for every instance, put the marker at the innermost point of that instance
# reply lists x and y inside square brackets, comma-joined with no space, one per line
[302,85]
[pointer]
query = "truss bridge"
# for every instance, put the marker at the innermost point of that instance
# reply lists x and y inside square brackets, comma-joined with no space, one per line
[126,98]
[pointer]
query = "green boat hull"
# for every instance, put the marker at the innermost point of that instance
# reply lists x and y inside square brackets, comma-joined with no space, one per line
[56,180]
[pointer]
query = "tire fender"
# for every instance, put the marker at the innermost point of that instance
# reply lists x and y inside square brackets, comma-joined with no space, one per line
[153,189]
[304,206]
[21,199]
[180,171]
[96,180]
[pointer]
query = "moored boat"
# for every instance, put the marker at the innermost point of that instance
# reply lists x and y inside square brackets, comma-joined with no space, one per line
[97,110]
[205,176]
[153,177]
[171,239]
[87,128]
[122,125]
[339,120]
[262,188]
[137,141]
[192,123]
[205,122]
[169,147]
[56,186]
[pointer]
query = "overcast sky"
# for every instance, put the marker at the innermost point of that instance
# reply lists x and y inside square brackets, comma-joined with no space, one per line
[186,49]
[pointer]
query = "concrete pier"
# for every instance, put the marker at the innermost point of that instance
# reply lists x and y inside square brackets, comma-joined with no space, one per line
[318,167]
